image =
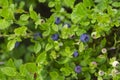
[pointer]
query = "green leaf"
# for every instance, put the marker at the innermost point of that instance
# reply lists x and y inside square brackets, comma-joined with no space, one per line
[79,12]
[88,3]
[42,1]
[24,17]
[65,33]
[83,63]
[55,27]
[54,75]
[41,58]
[37,47]
[51,4]
[103,43]
[68,52]
[81,47]
[56,45]
[63,60]
[100,78]
[47,32]
[66,70]
[31,67]
[116,4]
[10,10]
[87,76]
[4,24]
[69,3]
[10,63]
[11,45]
[103,4]
[80,32]
[18,63]
[4,3]
[21,31]
[33,14]
[23,70]
[48,47]
[9,71]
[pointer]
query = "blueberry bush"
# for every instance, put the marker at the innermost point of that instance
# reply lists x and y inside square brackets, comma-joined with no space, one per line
[59,39]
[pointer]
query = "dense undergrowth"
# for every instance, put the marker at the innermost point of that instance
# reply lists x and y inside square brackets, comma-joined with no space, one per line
[59,40]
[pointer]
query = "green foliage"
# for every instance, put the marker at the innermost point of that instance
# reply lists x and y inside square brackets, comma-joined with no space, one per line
[25,55]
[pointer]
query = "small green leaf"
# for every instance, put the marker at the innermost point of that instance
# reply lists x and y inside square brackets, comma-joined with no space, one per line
[21,31]
[4,24]
[24,17]
[47,32]
[51,4]
[4,3]
[55,27]
[63,60]
[18,63]
[42,1]
[80,31]
[65,33]
[69,3]
[48,47]
[23,70]
[79,12]
[54,75]
[88,3]
[116,4]
[87,76]
[31,67]
[81,47]
[103,43]
[100,78]
[5,11]
[41,58]
[37,47]
[33,14]
[9,71]
[11,44]
[66,70]
[10,63]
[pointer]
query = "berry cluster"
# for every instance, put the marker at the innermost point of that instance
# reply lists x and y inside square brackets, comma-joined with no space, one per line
[83,38]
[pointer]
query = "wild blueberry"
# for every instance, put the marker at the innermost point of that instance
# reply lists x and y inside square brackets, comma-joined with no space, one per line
[17,44]
[75,54]
[55,37]
[37,34]
[84,37]
[67,25]
[78,69]
[57,21]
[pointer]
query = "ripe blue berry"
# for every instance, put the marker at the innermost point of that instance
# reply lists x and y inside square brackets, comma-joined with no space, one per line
[78,69]
[37,34]
[55,37]
[57,21]
[75,54]
[84,37]
[17,44]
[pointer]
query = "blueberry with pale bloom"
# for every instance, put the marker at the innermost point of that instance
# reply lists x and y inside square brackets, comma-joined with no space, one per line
[75,54]
[55,37]
[78,69]
[57,20]
[84,37]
